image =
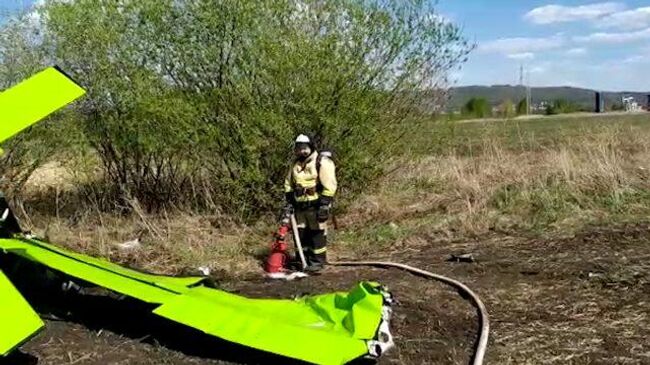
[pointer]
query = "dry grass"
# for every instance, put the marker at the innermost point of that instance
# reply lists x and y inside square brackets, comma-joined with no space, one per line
[599,175]
[174,244]
[170,242]
[570,178]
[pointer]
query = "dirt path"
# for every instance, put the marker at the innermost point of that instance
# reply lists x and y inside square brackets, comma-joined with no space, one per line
[575,300]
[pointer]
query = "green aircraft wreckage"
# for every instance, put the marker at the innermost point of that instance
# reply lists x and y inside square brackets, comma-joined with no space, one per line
[333,328]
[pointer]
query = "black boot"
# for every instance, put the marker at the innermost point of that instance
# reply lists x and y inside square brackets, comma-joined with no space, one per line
[318,251]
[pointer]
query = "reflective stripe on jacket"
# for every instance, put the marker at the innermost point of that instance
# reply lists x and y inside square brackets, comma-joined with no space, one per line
[304,176]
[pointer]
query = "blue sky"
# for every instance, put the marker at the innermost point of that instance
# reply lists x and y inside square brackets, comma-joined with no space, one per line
[9,8]
[600,45]
[13,5]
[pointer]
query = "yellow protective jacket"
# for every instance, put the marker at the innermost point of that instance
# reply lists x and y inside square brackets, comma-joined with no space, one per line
[304,176]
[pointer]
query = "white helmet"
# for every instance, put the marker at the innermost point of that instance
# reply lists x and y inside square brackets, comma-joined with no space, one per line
[302,139]
[303,147]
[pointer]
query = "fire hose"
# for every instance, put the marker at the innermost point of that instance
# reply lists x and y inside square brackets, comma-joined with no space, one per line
[484,328]
[484,323]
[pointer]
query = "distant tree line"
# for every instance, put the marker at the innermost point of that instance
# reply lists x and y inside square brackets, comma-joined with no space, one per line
[477,107]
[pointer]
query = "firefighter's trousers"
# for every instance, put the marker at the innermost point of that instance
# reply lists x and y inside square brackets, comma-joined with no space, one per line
[313,236]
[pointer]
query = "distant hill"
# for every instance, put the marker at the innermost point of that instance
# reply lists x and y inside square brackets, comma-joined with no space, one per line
[498,93]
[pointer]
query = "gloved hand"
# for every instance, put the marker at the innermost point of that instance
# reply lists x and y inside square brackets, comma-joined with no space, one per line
[323,214]
[285,214]
[324,207]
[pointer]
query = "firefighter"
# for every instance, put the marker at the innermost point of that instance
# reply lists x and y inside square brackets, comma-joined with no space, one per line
[309,188]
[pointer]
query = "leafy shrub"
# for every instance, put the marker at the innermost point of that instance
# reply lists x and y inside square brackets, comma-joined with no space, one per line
[197,102]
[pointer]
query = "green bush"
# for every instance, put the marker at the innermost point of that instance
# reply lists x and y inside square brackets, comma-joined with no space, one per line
[522,107]
[617,107]
[197,102]
[477,108]
[507,109]
[561,106]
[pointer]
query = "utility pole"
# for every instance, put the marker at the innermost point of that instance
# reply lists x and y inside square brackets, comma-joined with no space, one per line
[528,93]
[525,87]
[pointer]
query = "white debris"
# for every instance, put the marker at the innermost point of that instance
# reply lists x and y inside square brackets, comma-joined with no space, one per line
[288,276]
[129,245]
[204,270]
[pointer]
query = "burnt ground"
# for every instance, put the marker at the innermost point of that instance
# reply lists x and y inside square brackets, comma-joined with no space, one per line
[583,299]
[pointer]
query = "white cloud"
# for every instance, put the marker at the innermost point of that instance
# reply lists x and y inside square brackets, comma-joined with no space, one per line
[613,38]
[559,13]
[521,56]
[643,56]
[636,59]
[538,69]
[509,46]
[580,51]
[630,19]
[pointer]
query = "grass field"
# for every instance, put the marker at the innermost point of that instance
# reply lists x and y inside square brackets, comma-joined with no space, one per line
[537,176]
[542,176]
[556,211]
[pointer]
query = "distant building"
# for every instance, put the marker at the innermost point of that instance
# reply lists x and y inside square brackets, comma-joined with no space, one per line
[539,107]
[630,104]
